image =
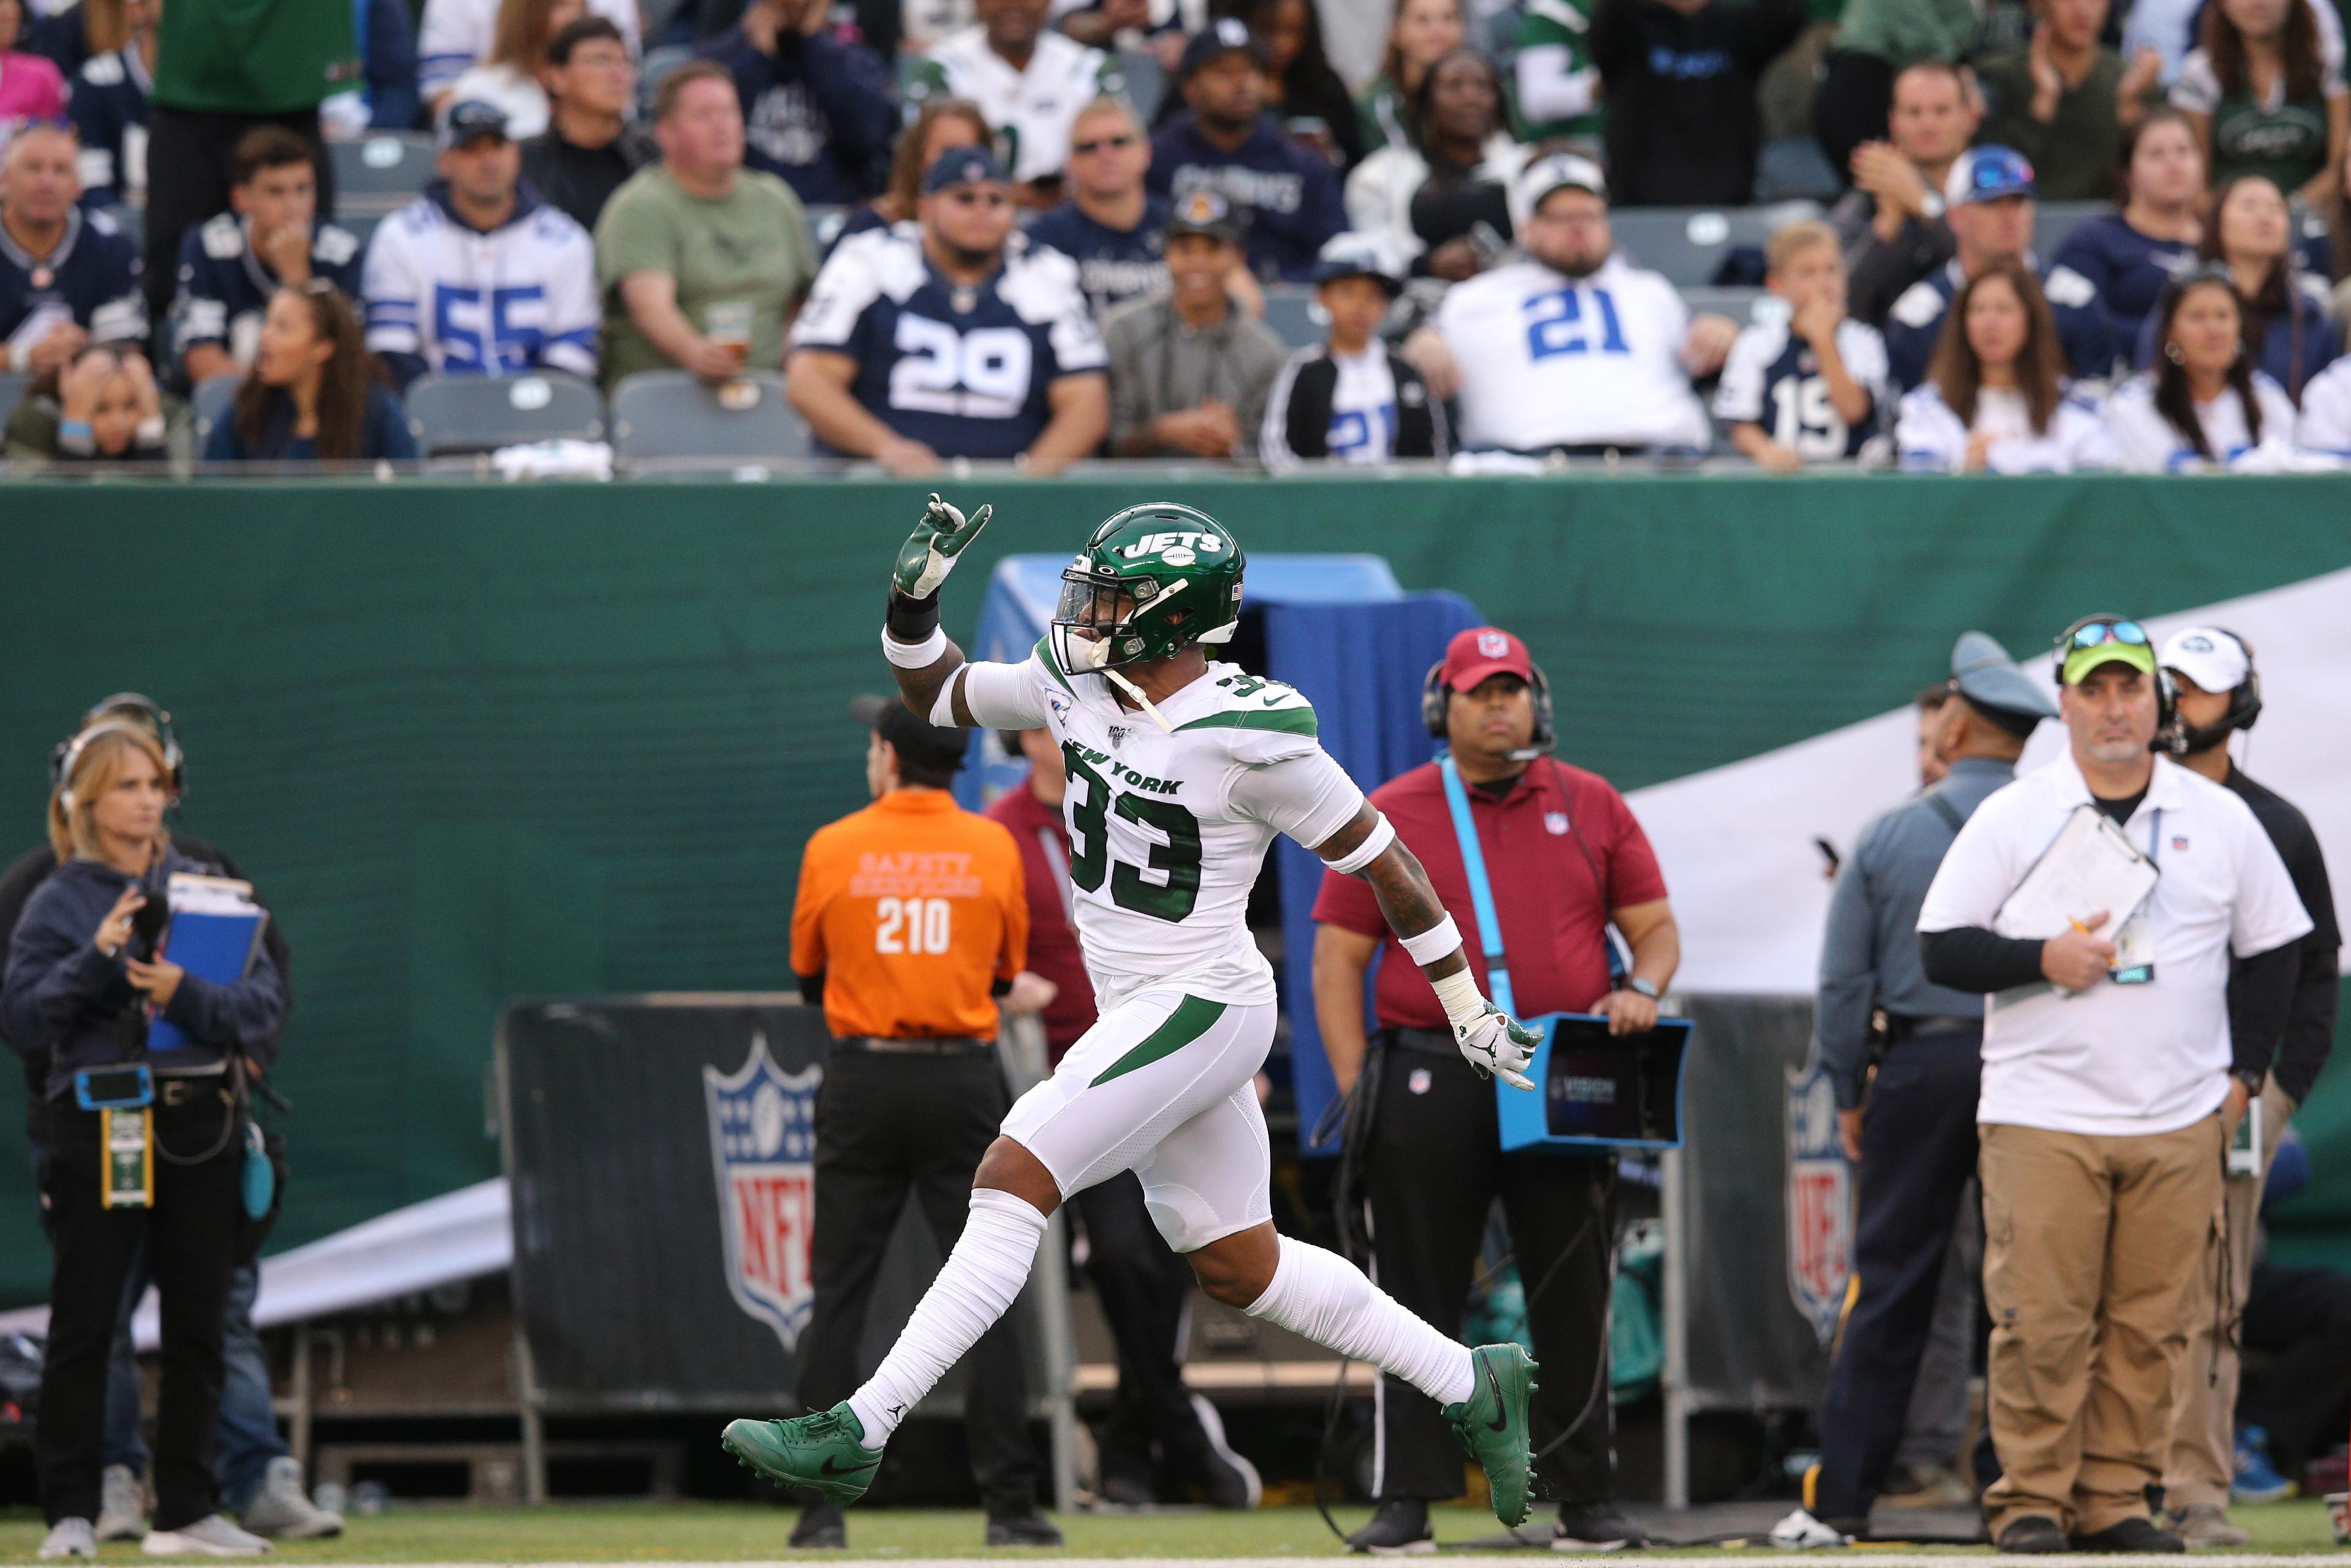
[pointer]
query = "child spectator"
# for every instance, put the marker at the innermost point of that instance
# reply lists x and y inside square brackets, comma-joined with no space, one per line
[110,109]
[31,87]
[1805,384]
[1352,399]
[2266,95]
[2066,100]
[1680,77]
[102,408]
[509,76]
[313,395]
[2128,254]
[1424,32]
[1992,401]
[2287,331]
[1443,202]
[817,110]
[270,238]
[2204,404]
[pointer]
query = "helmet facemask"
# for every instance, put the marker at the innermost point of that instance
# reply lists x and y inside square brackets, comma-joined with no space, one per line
[1105,622]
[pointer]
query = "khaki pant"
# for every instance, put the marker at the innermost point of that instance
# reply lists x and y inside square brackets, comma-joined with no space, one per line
[2100,1255]
[2202,1456]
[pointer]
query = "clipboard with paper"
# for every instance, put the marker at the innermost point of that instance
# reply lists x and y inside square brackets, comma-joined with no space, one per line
[2091,865]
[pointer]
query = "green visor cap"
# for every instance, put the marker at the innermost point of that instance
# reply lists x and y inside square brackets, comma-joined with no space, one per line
[2079,662]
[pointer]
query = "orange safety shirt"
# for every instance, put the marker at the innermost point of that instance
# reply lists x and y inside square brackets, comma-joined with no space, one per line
[912,909]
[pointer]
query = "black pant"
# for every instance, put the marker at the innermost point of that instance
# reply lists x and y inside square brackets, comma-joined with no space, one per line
[2302,1318]
[189,152]
[1145,1288]
[1917,1150]
[1435,1166]
[192,1241]
[887,1124]
[1857,92]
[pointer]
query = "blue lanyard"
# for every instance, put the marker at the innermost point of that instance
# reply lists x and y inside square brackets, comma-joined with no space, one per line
[1481,894]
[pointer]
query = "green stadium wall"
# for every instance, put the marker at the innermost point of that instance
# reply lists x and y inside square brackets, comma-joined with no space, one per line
[478,742]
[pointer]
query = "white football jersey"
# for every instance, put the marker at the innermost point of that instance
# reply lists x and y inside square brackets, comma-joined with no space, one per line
[1931,438]
[1550,361]
[2325,428]
[1167,830]
[455,34]
[520,298]
[1032,108]
[2145,442]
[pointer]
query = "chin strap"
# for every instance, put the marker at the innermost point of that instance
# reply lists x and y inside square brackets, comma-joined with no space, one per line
[1131,689]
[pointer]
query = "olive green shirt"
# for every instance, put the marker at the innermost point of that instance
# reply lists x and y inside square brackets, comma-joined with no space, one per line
[1904,31]
[254,57]
[2074,154]
[749,248]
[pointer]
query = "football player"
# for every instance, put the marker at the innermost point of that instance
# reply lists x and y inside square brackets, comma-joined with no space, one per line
[1180,774]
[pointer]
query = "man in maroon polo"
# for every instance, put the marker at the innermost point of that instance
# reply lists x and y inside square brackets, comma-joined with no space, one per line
[1145,1288]
[1565,858]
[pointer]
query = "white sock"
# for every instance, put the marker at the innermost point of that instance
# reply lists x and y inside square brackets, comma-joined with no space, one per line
[1322,1296]
[974,1288]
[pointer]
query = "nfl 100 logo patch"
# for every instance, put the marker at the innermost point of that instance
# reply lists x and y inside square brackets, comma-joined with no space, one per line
[1820,1203]
[763,1151]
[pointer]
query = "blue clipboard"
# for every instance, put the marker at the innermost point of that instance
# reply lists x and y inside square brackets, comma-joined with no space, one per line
[1593,1090]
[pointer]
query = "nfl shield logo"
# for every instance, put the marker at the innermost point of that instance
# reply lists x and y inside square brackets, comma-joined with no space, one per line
[763,1151]
[1820,1203]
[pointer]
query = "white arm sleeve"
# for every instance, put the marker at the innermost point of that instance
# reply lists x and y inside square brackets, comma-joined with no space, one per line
[1307,796]
[1004,697]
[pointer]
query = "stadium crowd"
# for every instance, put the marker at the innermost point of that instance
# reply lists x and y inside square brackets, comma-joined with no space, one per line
[1043,231]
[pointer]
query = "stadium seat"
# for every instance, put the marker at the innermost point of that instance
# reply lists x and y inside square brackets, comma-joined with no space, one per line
[1689,244]
[1147,81]
[1794,169]
[1290,312]
[11,391]
[381,171]
[671,413]
[209,404]
[481,413]
[658,64]
[1739,304]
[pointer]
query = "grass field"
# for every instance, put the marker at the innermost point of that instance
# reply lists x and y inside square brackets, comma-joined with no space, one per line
[715,1533]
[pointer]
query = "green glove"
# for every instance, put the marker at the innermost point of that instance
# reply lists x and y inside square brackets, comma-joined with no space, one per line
[930,552]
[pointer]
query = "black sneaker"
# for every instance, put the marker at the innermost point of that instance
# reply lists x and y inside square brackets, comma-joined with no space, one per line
[1594,1527]
[1023,1530]
[2130,1535]
[820,1525]
[2032,1535]
[1399,1528]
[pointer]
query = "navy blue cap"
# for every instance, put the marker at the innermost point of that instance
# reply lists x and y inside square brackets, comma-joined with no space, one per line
[467,119]
[1225,36]
[1205,212]
[1351,255]
[962,166]
[1986,174]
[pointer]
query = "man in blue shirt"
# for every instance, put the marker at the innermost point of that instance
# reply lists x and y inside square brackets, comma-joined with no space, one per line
[816,111]
[1112,226]
[1988,196]
[956,341]
[1224,141]
[270,238]
[68,277]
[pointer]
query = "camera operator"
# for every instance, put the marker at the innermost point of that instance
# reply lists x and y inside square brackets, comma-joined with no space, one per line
[260,1479]
[84,981]
[1567,860]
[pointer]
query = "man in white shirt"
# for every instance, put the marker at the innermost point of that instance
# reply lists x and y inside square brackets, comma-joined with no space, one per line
[1027,79]
[1571,346]
[2117,1060]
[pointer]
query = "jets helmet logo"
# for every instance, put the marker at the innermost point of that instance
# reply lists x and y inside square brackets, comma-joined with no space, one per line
[763,1151]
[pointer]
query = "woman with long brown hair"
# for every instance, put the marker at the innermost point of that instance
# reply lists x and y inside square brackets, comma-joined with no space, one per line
[2251,235]
[2262,96]
[1994,399]
[315,394]
[509,76]
[2205,404]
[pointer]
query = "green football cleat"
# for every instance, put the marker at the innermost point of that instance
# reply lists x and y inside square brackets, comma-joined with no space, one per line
[821,1453]
[1492,1426]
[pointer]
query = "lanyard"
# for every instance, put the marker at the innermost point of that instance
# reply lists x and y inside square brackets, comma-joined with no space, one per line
[1481,895]
[2155,839]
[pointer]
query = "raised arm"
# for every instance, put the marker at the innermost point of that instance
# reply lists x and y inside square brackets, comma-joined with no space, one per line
[926,663]
[1491,1038]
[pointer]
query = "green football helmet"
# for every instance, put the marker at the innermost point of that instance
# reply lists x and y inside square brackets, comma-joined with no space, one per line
[1152,581]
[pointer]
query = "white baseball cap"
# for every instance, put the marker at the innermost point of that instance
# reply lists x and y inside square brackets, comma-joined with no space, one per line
[1559,171]
[2215,660]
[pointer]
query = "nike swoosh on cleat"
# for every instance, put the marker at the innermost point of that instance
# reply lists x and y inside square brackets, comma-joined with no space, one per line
[1501,1422]
[830,1469]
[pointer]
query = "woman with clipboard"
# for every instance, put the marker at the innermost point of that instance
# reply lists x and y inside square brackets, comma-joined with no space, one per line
[142,1144]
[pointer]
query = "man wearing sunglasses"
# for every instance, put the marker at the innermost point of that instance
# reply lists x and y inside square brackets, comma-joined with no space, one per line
[2121,1047]
[1110,226]
[959,341]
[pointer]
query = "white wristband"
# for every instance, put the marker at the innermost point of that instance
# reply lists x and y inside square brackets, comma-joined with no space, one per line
[1432,943]
[914,655]
[1375,844]
[1459,992]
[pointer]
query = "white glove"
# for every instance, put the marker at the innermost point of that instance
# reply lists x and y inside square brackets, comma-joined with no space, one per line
[930,552]
[1495,1042]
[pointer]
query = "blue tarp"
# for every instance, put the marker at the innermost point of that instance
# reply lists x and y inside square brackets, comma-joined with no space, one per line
[1339,629]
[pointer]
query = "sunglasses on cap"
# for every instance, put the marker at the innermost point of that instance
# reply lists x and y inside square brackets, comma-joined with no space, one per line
[2099,633]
